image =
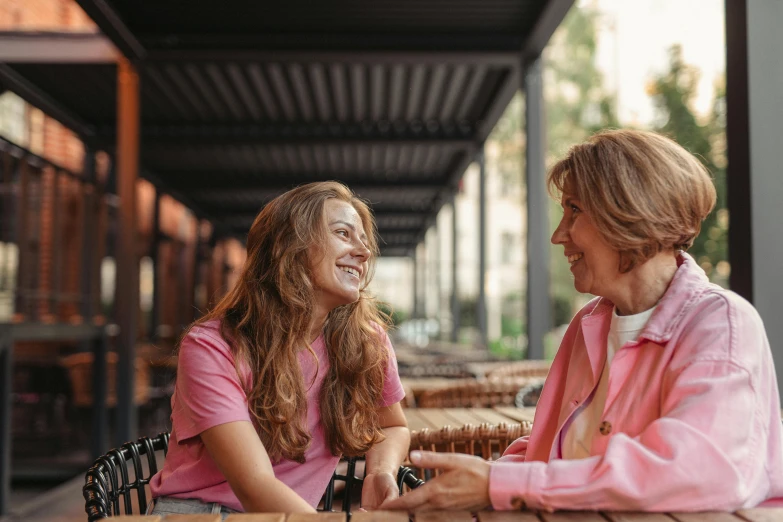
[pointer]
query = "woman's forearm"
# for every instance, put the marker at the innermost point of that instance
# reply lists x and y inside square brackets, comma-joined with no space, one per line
[386,456]
[265,493]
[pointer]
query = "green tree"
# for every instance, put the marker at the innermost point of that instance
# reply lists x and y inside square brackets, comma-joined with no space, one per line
[673,93]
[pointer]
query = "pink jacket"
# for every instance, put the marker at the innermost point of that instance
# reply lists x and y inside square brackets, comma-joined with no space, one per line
[692,419]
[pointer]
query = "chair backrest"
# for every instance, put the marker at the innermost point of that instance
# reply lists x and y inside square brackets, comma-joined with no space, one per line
[487,441]
[475,394]
[108,486]
[353,484]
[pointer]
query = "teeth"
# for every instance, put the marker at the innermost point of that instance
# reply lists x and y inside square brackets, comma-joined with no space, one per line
[573,258]
[350,270]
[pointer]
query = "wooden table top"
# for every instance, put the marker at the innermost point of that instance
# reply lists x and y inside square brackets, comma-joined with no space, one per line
[745,515]
[436,418]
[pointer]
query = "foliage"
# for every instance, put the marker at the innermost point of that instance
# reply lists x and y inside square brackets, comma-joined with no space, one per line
[397,316]
[673,92]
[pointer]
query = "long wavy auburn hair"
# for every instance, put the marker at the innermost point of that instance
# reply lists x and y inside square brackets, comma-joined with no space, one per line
[266,319]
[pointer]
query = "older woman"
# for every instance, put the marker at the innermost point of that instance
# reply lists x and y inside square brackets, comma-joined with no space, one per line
[663,393]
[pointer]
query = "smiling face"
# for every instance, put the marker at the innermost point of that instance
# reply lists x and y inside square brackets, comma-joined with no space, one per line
[340,266]
[595,264]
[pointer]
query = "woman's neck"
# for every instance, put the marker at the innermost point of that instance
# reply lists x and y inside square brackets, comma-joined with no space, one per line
[642,288]
[317,324]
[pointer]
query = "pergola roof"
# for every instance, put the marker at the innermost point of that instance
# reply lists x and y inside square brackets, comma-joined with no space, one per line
[243,101]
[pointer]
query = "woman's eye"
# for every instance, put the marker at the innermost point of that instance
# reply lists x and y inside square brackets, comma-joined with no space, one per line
[343,233]
[574,208]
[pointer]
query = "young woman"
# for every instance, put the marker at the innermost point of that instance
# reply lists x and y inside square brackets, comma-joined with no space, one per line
[663,395]
[291,370]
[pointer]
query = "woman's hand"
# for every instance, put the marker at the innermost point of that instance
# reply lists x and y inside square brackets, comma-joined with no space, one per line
[463,485]
[377,489]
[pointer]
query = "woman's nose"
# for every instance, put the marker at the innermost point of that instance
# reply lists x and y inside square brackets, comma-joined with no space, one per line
[361,250]
[560,235]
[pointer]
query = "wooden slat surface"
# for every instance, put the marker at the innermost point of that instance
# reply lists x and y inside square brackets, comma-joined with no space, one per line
[507,516]
[436,418]
[747,515]
[256,517]
[493,416]
[637,517]
[416,422]
[704,517]
[193,518]
[762,514]
[317,517]
[572,516]
[379,516]
[518,414]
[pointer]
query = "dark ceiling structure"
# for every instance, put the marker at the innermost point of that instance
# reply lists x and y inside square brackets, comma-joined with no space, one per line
[242,101]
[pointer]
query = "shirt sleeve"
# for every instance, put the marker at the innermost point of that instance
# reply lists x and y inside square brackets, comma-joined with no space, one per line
[208,389]
[393,391]
[704,452]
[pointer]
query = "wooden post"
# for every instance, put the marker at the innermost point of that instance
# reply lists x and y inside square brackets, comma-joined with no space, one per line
[127,293]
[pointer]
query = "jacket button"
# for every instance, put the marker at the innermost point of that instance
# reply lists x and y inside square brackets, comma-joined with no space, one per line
[605,428]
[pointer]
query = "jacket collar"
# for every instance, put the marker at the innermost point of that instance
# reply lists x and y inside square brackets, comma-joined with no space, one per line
[687,285]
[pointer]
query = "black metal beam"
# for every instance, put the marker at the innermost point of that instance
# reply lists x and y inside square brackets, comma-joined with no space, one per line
[52,47]
[30,331]
[215,181]
[17,83]
[356,53]
[738,170]
[112,26]
[399,133]
[267,192]
[550,18]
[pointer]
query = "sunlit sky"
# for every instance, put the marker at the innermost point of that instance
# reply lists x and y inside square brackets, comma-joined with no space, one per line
[634,36]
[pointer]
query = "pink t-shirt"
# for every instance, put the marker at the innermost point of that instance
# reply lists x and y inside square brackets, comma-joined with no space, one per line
[208,393]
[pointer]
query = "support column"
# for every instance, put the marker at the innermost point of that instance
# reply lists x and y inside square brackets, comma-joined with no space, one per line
[88,234]
[415,262]
[155,258]
[538,315]
[436,270]
[754,124]
[455,308]
[127,294]
[481,302]
[6,378]
[100,416]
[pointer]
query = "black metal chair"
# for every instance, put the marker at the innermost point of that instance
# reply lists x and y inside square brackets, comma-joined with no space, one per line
[405,477]
[108,487]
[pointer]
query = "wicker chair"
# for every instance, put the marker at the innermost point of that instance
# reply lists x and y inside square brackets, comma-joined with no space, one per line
[109,489]
[487,441]
[475,394]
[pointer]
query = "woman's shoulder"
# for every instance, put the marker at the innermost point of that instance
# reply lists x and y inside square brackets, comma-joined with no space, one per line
[720,302]
[207,335]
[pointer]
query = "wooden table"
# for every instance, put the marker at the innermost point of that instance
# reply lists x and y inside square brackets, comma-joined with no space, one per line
[436,418]
[747,515]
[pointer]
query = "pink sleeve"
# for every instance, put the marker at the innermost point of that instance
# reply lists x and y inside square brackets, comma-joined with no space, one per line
[393,391]
[703,453]
[208,391]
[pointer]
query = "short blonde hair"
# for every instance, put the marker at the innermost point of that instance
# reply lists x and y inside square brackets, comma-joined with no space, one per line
[644,192]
